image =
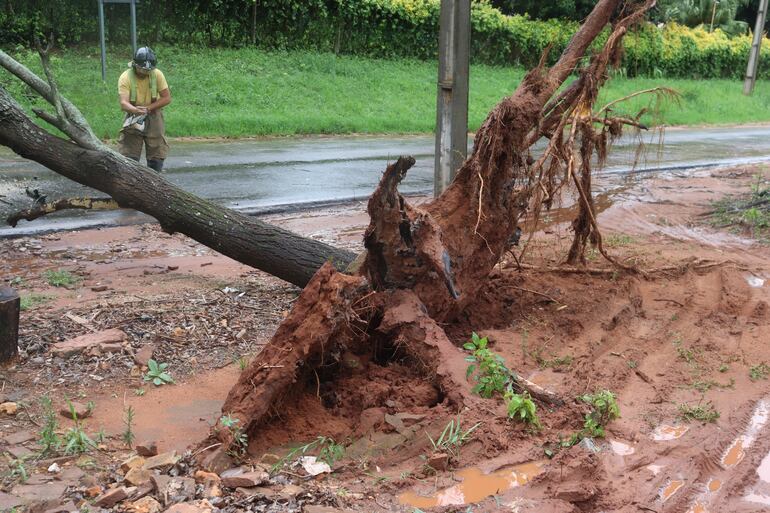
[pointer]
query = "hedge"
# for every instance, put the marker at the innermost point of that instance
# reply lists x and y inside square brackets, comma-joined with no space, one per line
[394,29]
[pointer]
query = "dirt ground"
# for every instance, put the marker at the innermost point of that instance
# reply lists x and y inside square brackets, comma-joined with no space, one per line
[692,335]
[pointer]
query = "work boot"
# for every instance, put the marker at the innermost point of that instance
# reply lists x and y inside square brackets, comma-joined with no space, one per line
[156,164]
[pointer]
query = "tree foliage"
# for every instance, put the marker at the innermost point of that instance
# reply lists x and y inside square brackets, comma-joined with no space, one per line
[692,13]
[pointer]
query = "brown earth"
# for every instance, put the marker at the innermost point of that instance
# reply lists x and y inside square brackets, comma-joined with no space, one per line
[688,333]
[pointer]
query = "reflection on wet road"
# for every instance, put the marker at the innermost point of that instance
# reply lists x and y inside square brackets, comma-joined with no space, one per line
[264,175]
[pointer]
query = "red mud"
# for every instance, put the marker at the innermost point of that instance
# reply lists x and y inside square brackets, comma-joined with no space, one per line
[676,338]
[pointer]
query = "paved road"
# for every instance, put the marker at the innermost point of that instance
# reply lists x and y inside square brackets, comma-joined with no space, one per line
[265,175]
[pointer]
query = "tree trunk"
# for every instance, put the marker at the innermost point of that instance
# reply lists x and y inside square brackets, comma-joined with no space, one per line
[10,306]
[271,249]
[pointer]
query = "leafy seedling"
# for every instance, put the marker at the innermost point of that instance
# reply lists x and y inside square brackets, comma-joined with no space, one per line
[522,408]
[157,374]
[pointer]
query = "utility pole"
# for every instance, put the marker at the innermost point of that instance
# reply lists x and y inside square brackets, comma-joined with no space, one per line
[454,48]
[103,47]
[756,45]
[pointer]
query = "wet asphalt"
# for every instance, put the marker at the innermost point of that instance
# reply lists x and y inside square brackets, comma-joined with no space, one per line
[264,176]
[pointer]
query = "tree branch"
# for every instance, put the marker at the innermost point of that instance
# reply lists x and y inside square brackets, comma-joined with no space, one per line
[63,204]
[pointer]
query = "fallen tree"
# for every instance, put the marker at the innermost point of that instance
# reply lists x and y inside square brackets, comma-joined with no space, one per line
[86,160]
[424,265]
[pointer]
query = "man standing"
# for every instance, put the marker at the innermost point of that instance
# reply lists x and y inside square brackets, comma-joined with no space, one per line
[143,94]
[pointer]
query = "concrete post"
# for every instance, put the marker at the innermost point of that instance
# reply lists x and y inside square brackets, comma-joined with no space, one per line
[452,97]
[756,45]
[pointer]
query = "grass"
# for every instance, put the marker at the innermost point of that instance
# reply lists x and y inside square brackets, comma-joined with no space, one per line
[33,300]
[249,92]
[701,412]
[748,213]
[760,371]
[61,278]
[452,438]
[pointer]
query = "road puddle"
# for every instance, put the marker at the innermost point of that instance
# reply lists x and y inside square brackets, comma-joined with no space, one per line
[737,450]
[698,508]
[714,485]
[755,281]
[666,432]
[621,449]
[670,489]
[475,486]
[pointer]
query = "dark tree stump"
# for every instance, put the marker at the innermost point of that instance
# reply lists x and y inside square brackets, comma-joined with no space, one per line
[10,306]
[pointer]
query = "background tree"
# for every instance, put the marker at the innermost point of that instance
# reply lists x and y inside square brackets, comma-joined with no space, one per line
[701,12]
[568,9]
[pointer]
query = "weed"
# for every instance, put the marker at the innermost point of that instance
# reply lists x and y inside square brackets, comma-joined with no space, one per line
[90,406]
[521,407]
[240,439]
[491,374]
[19,470]
[49,440]
[31,301]
[452,438]
[157,373]
[75,439]
[703,413]
[61,278]
[101,436]
[760,371]
[604,408]
[139,392]
[128,421]
[242,363]
[724,367]
[706,385]
[554,362]
[618,240]
[328,451]
[16,281]
[632,364]
[687,354]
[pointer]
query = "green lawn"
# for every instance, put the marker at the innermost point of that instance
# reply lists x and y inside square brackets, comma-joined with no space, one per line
[246,92]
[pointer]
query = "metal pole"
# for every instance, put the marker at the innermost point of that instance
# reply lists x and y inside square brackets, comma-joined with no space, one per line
[452,95]
[756,46]
[101,40]
[133,27]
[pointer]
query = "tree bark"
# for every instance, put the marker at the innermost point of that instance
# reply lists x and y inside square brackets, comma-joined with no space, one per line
[10,306]
[271,249]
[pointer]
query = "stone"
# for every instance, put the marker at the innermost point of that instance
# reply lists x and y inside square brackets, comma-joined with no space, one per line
[269,459]
[162,462]
[82,411]
[290,491]
[185,508]
[68,507]
[9,408]
[258,491]
[312,508]
[111,497]
[137,476]
[143,356]
[99,288]
[370,419]
[19,452]
[204,477]
[217,461]
[142,490]
[93,491]
[439,461]
[173,489]
[144,505]
[147,448]
[40,492]
[19,437]
[246,479]
[8,502]
[135,461]
[79,344]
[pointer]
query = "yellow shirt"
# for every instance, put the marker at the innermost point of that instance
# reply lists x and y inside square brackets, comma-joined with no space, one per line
[143,93]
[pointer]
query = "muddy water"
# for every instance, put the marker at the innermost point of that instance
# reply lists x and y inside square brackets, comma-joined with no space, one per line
[666,432]
[175,416]
[475,486]
[670,489]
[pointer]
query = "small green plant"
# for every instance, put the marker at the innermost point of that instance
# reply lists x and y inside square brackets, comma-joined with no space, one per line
[139,392]
[75,439]
[487,368]
[61,278]
[618,240]
[703,413]
[157,374]
[632,364]
[687,354]
[242,363]
[50,441]
[19,470]
[452,438]
[328,450]
[240,439]
[522,408]
[760,371]
[31,301]
[557,361]
[128,421]
[604,409]
[101,436]
[706,385]
[724,368]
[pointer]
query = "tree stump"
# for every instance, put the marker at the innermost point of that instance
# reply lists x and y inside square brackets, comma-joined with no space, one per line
[10,306]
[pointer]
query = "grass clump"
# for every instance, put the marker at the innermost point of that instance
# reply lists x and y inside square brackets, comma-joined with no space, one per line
[452,438]
[760,371]
[61,278]
[75,439]
[702,413]
[31,301]
[748,214]
[325,448]
[50,442]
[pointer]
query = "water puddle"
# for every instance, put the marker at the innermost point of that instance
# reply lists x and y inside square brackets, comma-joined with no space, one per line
[621,449]
[714,485]
[670,489]
[755,281]
[475,486]
[737,450]
[697,508]
[655,469]
[763,470]
[666,432]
